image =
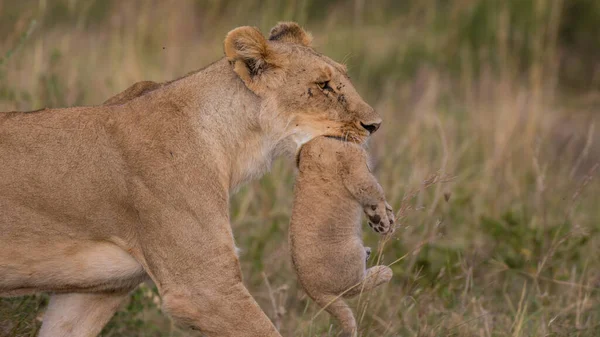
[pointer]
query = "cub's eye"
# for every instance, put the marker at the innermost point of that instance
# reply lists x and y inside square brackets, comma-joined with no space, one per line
[324,85]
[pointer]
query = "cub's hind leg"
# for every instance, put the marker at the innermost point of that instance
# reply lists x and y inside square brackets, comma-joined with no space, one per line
[375,276]
[79,314]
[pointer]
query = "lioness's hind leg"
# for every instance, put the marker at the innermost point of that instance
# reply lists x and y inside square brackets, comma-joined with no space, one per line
[79,314]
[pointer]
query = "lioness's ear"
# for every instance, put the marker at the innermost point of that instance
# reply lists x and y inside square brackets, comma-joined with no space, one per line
[290,32]
[247,49]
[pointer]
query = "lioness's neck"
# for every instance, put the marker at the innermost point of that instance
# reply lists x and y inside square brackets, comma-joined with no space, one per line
[232,120]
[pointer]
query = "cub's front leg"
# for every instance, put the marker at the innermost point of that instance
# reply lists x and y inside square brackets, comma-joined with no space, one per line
[366,190]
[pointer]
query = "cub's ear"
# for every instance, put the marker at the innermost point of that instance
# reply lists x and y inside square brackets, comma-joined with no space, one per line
[254,61]
[290,32]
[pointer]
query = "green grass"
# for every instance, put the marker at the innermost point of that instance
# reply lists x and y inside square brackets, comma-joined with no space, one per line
[501,96]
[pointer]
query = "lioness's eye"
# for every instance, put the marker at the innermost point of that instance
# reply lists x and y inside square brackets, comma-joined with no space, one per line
[324,85]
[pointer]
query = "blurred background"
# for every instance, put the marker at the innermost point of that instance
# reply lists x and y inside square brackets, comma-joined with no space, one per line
[489,150]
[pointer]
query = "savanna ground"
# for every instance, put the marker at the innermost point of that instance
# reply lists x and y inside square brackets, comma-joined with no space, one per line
[500,96]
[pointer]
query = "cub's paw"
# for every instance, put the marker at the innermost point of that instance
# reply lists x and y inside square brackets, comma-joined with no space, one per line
[390,213]
[380,217]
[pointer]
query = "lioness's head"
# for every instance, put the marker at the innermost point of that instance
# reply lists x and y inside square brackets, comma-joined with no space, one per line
[309,90]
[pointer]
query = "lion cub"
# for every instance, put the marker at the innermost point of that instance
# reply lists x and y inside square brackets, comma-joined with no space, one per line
[333,187]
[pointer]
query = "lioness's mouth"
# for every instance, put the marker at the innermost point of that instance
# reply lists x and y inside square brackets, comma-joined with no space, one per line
[346,139]
[349,137]
[337,137]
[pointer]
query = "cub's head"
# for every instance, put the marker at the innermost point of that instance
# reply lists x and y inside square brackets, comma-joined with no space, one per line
[309,91]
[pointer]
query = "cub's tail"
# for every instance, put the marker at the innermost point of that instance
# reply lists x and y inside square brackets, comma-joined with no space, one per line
[336,306]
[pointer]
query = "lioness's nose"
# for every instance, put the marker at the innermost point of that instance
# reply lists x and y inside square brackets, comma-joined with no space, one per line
[371,127]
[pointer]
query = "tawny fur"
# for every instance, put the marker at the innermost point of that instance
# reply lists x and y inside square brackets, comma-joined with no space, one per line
[98,199]
[84,314]
[333,188]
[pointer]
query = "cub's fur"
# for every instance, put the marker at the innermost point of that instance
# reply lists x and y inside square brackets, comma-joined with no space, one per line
[333,187]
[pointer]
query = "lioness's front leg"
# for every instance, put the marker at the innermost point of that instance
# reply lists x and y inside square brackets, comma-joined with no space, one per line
[194,265]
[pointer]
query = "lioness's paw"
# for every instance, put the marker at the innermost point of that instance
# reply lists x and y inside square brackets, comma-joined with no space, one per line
[380,217]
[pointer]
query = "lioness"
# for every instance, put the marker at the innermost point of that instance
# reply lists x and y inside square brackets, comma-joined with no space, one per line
[333,186]
[94,200]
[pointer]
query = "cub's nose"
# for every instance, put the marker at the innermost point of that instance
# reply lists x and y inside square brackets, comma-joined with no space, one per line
[371,127]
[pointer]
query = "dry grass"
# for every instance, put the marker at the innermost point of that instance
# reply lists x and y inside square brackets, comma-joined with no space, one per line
[507,247]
